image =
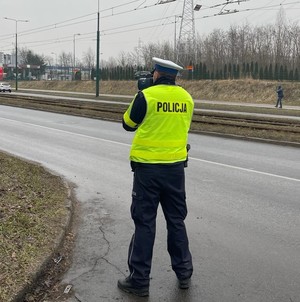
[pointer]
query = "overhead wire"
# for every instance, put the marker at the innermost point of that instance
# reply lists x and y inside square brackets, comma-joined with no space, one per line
[258,14]
[67,23]
[110,31]
[52,26]
[62,24]
[59,24]
[269,7]
[156,32]
[254,12]
[113,31]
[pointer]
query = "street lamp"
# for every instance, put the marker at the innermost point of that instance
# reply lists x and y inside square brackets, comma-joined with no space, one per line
[16,20]
[175,36]
[197,7]
[53,53]
[74,53]
[98,53]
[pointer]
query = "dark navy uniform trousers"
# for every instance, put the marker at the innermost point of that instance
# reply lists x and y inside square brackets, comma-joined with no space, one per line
[154,184]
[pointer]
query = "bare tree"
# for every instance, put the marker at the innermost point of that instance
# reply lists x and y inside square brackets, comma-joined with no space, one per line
[294,36]
[65,60]
[22,54]
[89,59]
[124,59]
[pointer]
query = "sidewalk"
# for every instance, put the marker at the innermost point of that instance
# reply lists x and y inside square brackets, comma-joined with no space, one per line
[247,104]
[130,97]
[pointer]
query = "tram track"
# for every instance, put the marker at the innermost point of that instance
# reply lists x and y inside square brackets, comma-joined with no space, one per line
[246,125]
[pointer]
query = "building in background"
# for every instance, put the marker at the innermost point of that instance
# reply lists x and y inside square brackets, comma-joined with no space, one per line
[5,59]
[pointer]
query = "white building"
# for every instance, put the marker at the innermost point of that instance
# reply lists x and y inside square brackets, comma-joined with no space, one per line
[5,59]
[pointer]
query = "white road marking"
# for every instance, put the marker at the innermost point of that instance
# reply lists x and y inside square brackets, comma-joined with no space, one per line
[244,169]
[128,145]
[67,132]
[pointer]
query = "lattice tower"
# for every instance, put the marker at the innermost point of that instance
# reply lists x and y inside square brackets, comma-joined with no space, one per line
[186,51]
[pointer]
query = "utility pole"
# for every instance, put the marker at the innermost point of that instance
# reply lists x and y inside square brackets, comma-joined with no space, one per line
[98,54]
[175,38]
[187,39]
[53,53]
[16,20]
[74,57]
[138,49]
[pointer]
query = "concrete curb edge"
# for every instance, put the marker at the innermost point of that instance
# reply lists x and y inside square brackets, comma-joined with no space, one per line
[58,243]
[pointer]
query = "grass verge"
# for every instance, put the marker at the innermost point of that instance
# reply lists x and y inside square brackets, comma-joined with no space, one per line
[245,91]
[33,214]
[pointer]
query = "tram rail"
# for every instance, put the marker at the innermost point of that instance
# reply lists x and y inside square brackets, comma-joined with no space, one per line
[204,121]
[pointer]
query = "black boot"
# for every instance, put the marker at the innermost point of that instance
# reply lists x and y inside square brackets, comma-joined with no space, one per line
[184,283]
[127,286]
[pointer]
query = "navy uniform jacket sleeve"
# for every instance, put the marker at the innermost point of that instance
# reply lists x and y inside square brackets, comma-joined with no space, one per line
[138,111]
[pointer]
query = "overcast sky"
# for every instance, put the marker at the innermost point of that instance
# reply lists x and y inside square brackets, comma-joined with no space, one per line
[124,24]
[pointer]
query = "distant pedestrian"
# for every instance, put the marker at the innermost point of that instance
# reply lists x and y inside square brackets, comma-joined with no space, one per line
[279,97]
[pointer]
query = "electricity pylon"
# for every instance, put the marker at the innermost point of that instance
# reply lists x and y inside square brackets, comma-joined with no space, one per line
[186,46]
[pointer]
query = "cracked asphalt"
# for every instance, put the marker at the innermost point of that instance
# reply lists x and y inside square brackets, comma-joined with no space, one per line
[243,202]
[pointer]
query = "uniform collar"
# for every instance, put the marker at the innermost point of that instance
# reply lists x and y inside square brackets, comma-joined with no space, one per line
[164,80]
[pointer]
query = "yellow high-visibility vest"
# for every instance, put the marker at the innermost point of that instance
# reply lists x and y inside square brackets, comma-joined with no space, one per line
[162,136]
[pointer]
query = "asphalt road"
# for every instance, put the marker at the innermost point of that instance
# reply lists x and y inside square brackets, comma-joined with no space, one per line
[243,201]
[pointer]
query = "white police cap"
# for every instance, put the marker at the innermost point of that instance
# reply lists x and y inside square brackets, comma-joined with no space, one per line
[166,66]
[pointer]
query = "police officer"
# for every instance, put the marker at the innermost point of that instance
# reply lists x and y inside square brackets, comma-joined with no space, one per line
[161,116]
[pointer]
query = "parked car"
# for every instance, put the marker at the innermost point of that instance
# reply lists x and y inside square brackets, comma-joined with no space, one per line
[142,74]
[5,87]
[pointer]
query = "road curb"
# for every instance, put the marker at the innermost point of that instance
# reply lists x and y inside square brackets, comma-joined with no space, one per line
[58,244]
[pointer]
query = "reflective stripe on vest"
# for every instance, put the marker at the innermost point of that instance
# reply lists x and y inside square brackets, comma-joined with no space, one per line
[162,136]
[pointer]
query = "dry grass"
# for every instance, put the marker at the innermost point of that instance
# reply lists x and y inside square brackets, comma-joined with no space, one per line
[245,91]
[248,91]
[32,214]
